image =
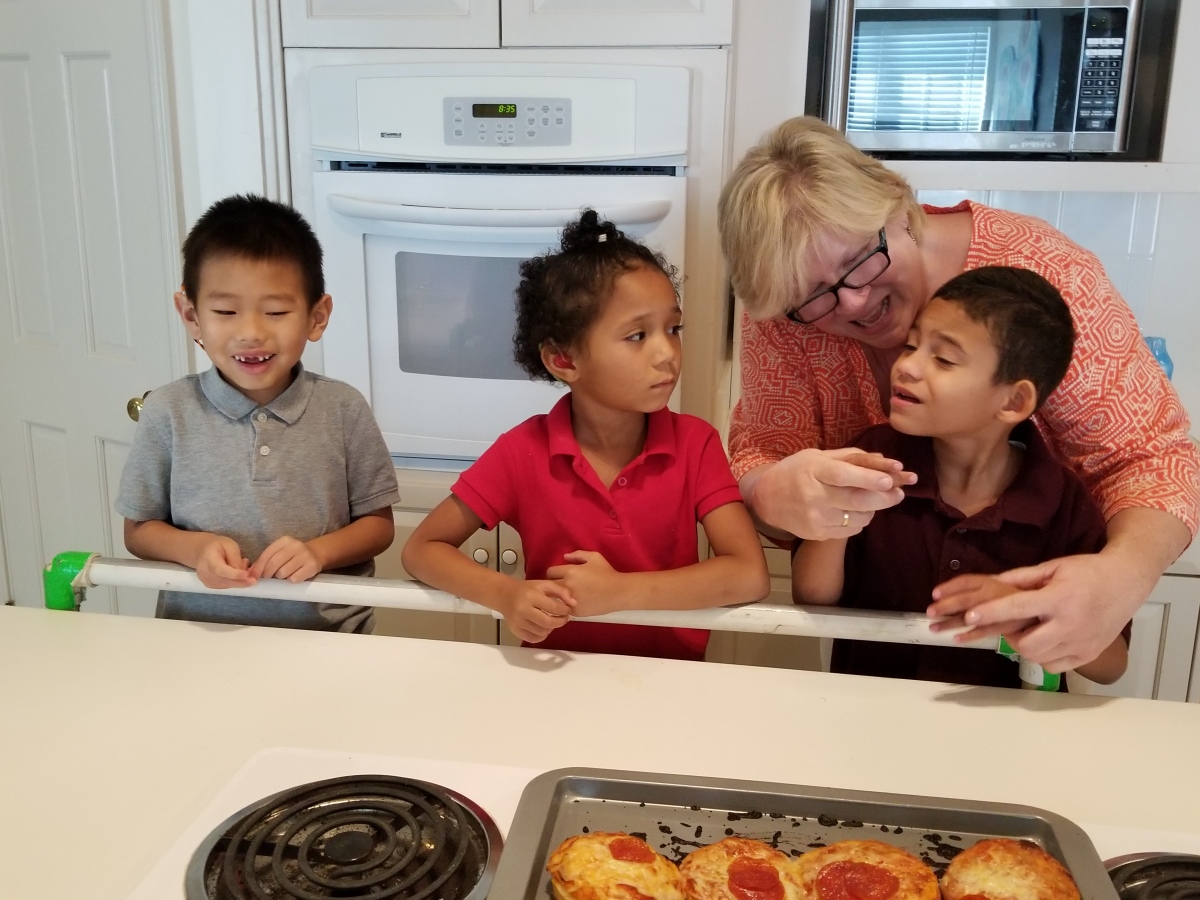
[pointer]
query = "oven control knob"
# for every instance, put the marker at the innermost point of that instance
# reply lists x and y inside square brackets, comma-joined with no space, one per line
[134,406]
[480,556]
[508,557]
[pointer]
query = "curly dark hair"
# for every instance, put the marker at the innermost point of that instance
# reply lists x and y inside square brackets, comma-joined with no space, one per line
[562,292]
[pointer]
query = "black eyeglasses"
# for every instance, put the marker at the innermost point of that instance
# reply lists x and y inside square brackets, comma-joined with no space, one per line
[859,275]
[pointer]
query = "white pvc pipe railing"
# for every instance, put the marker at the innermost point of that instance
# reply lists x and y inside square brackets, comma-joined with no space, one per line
[759,618]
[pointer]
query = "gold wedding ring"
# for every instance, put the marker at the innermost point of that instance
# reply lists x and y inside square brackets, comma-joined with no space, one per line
[845,517]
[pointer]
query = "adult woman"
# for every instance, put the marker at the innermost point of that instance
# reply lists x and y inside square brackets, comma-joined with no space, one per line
[833,258]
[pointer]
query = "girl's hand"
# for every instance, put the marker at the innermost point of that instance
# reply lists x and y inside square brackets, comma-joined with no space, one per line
[536,608]
[287,558]
[821,494]
[593,583]
[221,565]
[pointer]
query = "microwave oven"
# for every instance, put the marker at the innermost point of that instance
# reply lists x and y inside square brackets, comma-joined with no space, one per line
[1051,78]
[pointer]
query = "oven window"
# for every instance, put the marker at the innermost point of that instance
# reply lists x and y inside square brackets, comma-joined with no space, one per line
[455,315]
[932,70]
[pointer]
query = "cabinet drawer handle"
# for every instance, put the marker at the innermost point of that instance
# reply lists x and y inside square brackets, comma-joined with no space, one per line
[480,556]
[508,557]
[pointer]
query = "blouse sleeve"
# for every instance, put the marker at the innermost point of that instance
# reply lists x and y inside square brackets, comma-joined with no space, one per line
[1115,417]
[778,413]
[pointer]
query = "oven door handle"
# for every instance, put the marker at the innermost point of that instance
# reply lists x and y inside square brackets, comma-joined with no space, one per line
[622,214]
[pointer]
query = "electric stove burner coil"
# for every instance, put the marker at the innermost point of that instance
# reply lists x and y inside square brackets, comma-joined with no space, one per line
[1156,876]
[373,836]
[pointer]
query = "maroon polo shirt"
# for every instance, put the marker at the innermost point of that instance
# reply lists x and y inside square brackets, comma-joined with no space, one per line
[897,560]
[536,478]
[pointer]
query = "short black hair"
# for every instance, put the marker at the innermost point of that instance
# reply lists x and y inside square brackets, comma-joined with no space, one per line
[256,228]
[562,292]
[1027,318]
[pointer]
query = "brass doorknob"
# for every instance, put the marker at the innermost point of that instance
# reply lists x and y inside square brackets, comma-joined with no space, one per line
[134,406]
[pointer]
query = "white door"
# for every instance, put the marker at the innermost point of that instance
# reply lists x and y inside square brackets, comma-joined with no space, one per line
[88,243]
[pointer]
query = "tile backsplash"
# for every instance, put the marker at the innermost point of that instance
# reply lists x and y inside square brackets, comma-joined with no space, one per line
[1148,246]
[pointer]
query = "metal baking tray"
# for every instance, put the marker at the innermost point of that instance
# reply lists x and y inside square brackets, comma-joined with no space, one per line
[676,814]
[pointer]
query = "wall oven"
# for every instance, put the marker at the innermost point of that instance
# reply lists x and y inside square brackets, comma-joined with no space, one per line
[429,182]
[1052,77]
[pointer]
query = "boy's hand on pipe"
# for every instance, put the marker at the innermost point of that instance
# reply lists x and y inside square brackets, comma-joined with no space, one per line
[220,564]
[287,558]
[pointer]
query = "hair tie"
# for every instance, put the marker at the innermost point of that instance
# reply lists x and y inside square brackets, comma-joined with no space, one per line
[602,237]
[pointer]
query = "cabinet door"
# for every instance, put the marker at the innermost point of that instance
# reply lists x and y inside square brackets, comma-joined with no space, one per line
[1161,648]
[511,563]
[781,651]
[421,491]
[617,23]
[390,23]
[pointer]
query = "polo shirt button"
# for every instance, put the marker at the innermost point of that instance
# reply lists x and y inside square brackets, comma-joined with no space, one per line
[961,530]
[262,417]
[622,481]
[954,565]
[264,450]
[612,513]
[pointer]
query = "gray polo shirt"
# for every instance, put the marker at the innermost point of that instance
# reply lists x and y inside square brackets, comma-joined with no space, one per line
[208,458]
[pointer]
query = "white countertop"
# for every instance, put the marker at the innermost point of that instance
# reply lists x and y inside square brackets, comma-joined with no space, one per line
[117,731]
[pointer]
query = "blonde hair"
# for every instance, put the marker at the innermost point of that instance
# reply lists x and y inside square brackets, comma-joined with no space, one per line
[802,184]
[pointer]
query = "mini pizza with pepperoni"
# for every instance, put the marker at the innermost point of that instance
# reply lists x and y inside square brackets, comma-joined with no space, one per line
[612,866]
[739,869]
[865,870]
[1006,869]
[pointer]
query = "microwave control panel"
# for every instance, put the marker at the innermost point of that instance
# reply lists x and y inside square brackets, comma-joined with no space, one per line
[1101,71]
[498,121]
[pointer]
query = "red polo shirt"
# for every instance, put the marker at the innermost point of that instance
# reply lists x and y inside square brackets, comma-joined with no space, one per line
[897,560]
[536,478]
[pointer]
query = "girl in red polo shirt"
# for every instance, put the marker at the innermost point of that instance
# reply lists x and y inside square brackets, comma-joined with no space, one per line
[606,489]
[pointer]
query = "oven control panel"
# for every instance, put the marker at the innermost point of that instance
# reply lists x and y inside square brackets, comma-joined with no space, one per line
[592,114]
[524,121]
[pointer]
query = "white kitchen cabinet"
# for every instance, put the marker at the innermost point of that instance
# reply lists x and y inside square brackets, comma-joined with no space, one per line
[499,549]
[511,23]
[781,651]
[390,23]
[616,23]
[1162,648]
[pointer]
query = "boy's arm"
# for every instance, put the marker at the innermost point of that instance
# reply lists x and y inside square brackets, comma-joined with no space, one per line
[1109,665]
[217,559]
[736,573]
[532,608]
[819,572]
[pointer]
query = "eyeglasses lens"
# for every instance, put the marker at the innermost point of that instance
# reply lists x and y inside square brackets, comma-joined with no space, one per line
[860,276]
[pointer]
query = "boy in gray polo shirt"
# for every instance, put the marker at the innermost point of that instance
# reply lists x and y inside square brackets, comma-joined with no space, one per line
[257,468]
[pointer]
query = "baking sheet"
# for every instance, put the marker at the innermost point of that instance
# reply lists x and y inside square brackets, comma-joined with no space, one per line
[676,814]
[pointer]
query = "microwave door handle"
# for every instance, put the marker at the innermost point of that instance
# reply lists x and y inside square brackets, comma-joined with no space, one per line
[621,214]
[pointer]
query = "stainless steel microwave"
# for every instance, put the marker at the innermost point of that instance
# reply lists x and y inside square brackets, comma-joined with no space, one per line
[1000,77]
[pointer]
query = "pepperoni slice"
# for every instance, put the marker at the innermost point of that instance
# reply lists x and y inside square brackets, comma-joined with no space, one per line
[630,849]
[754,879]
[847,880]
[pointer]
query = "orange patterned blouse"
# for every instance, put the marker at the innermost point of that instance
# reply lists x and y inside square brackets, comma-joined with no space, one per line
[1115,419]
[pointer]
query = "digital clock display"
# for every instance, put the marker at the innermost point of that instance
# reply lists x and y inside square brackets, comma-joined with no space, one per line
[494,110]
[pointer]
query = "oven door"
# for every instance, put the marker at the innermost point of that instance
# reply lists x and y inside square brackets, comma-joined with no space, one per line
[423,269]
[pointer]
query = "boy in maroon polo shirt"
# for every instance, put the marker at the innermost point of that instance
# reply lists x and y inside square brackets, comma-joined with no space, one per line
[989,496]
[606,490]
